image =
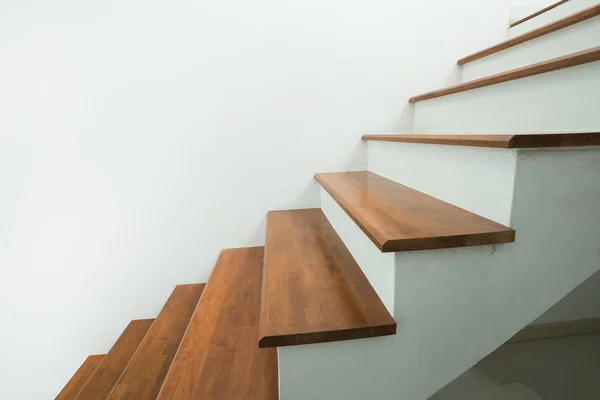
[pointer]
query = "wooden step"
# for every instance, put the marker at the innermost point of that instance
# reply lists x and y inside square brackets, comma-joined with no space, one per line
[578,17]
[81,377]
[571,60]
[313,289]
[519,141]
[535,14]
[219,356]
[398,218]
[145,373]
[102,381]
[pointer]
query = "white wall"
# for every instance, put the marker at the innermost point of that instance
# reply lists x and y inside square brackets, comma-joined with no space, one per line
[138,138]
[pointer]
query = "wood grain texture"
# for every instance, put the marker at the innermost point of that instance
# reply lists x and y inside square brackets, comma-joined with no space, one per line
[145,373]
[535,14]
[73,387]
[313,289]
[580,16]
[571,60]
[398,218]
[102,381]
[518,141]
[219,356]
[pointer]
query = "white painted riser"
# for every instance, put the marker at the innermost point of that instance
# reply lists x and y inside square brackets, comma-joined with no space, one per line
[564,10]
[569,40]
[477,179]
[561,101]
[455,306]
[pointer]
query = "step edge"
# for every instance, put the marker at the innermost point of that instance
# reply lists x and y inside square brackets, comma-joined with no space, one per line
[386,245]
[555,64]
[555,26]
[304,338]
[511,142]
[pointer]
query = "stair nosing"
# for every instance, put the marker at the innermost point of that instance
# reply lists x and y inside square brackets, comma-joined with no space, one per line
[555,64]
[296,339]
[573,19]
[502,235]
[499,141]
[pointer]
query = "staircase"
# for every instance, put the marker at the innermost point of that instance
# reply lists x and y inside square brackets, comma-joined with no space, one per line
[457,237]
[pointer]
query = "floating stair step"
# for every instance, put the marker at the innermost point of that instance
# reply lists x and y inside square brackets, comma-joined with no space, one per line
[520,141]
[398,218]
[82,375]
[571,60]
[535,14]
[219,356]
[145,373]
[562,23]
[103,380]
[505,103]
[577,32]
[313,289]
[548,15]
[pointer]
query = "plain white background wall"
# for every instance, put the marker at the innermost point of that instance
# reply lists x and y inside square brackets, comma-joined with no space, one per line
[138,138]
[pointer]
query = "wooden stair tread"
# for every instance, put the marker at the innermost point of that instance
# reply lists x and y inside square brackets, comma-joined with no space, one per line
[219,356]
[516,141]
[104,378]
[73,387]
[571,60]
[562,23]
[145,373]
[398,218]
[313,289]
[535,14]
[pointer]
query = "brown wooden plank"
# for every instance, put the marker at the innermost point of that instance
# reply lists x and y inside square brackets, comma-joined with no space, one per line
[497,141]
[80,378]
[571,60]
[535,14]
[219,356]
[102,381]
[313,289]
[398,218]
[145,373]
[519,141]
[565,22]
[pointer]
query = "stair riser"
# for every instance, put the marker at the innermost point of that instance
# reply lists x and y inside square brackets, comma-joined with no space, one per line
[455,306]
[564,10]
[378,267]
[477,179]
[566,41]
[561,101]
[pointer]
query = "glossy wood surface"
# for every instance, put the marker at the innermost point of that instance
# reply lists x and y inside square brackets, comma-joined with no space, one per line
[102,381]
[535,14]
[313,289]
[82,375]
[145,373]
[580,16]
[520,141]
[398,218]
[219,358]
[571,60]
